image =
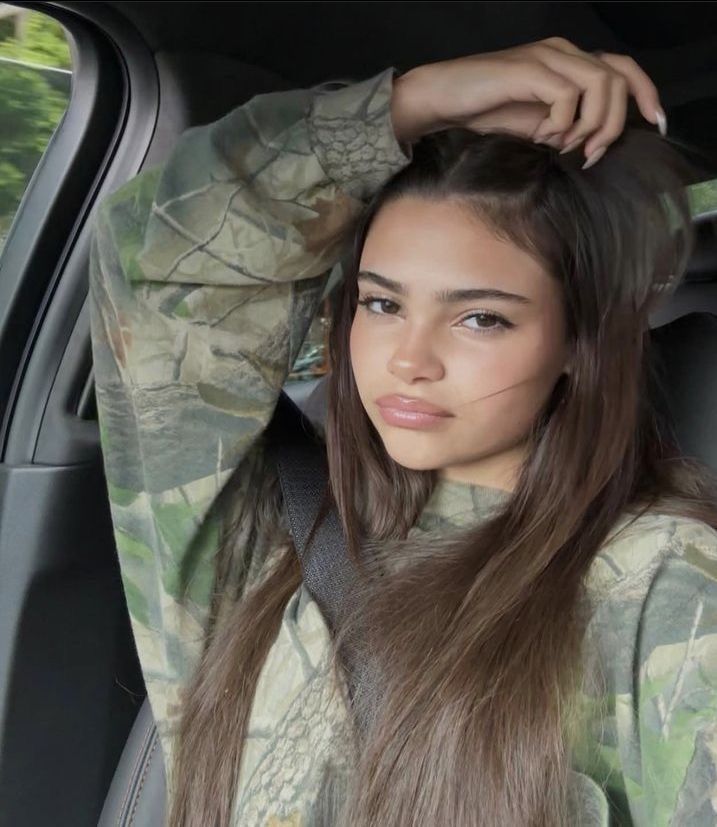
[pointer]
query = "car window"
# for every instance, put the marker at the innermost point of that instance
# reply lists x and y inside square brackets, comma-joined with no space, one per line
[703,198]
[35,84]
[312,360]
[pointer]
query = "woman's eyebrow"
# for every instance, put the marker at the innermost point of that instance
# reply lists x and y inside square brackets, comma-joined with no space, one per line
[445,296]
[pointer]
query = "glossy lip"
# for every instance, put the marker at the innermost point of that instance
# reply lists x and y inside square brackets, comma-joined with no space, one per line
[410,412]
[410,404]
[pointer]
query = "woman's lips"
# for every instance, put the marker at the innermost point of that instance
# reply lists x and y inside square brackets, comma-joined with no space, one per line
[407,412]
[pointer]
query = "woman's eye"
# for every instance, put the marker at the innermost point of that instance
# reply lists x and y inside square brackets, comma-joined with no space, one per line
[494,322]
[369,300]
[484,322]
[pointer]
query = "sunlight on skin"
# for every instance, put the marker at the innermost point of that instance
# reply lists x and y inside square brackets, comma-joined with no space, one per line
[492,379]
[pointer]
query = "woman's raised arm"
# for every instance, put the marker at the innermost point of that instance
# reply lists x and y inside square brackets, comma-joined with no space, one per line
[205,274]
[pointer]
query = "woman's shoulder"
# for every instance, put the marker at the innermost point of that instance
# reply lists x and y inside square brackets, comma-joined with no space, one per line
[649,576]
[640,546]
[650,666]
[652,594]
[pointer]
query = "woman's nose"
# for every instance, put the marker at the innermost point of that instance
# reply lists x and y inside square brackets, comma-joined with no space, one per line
[414,357]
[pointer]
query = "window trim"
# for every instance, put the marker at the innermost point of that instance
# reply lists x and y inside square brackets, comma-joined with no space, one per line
[100,142]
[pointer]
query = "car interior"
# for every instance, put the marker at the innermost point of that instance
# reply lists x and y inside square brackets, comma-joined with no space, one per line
[77,740]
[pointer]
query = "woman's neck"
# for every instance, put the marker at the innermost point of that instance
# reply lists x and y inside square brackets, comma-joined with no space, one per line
[460,503]
[499,470]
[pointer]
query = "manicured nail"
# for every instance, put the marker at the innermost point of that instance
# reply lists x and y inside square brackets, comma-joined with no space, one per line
[595,157]
[571,146]
[555,141]
[661,122]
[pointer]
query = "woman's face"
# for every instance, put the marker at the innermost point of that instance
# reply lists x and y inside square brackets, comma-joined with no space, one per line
[489,362]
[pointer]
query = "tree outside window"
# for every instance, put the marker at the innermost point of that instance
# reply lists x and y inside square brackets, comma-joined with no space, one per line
[35,84]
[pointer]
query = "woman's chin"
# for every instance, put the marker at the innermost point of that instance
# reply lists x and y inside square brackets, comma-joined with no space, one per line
[412,459]
[415,449]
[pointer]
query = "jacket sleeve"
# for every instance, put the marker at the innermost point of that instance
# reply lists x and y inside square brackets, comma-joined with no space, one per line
[205,274]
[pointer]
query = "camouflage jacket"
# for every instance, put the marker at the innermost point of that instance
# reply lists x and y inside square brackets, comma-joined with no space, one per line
[205,274]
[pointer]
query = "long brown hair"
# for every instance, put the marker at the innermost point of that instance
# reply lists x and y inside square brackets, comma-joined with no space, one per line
[474,638]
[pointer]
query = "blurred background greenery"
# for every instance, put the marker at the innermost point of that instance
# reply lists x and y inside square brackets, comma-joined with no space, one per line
[35,85]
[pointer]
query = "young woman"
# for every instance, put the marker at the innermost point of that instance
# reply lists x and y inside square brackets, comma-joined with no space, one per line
[538,615]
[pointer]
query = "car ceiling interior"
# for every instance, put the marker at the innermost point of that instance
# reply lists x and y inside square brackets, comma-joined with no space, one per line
[60,765]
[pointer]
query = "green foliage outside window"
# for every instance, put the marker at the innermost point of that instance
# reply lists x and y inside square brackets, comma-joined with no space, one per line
[43,41]
[703,197]
[34,92]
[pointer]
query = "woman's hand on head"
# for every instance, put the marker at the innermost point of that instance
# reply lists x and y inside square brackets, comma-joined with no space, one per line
[549,91]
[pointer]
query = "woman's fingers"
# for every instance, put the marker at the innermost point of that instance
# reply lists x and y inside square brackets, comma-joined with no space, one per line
[520,118]
[614,122]
[646,95]
[551,91]
[540,82]
[590,78]
[606,81]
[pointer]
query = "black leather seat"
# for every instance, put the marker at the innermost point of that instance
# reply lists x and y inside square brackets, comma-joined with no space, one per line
[686,353]
[137,796]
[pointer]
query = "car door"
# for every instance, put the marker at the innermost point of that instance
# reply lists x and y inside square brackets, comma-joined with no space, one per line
[70,684]
[69,679]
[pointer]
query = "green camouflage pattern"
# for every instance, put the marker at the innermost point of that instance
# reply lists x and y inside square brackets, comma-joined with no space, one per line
[205,274]
[652,645]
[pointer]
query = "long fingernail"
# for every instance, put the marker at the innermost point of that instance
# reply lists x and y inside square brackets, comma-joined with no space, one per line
[661,122]
[595,157]
[546,138]
[571,146]
[555,141]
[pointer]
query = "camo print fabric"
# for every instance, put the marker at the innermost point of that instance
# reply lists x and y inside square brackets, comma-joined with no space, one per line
[205,274]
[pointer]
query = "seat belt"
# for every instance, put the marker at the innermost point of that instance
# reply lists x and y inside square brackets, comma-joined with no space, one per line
[328,572]
[300,458]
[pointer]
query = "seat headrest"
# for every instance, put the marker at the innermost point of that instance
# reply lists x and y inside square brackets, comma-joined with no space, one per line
[703,261]
[685,353]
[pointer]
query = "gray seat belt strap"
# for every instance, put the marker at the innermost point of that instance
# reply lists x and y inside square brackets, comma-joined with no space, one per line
[328,572]
[300,458]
